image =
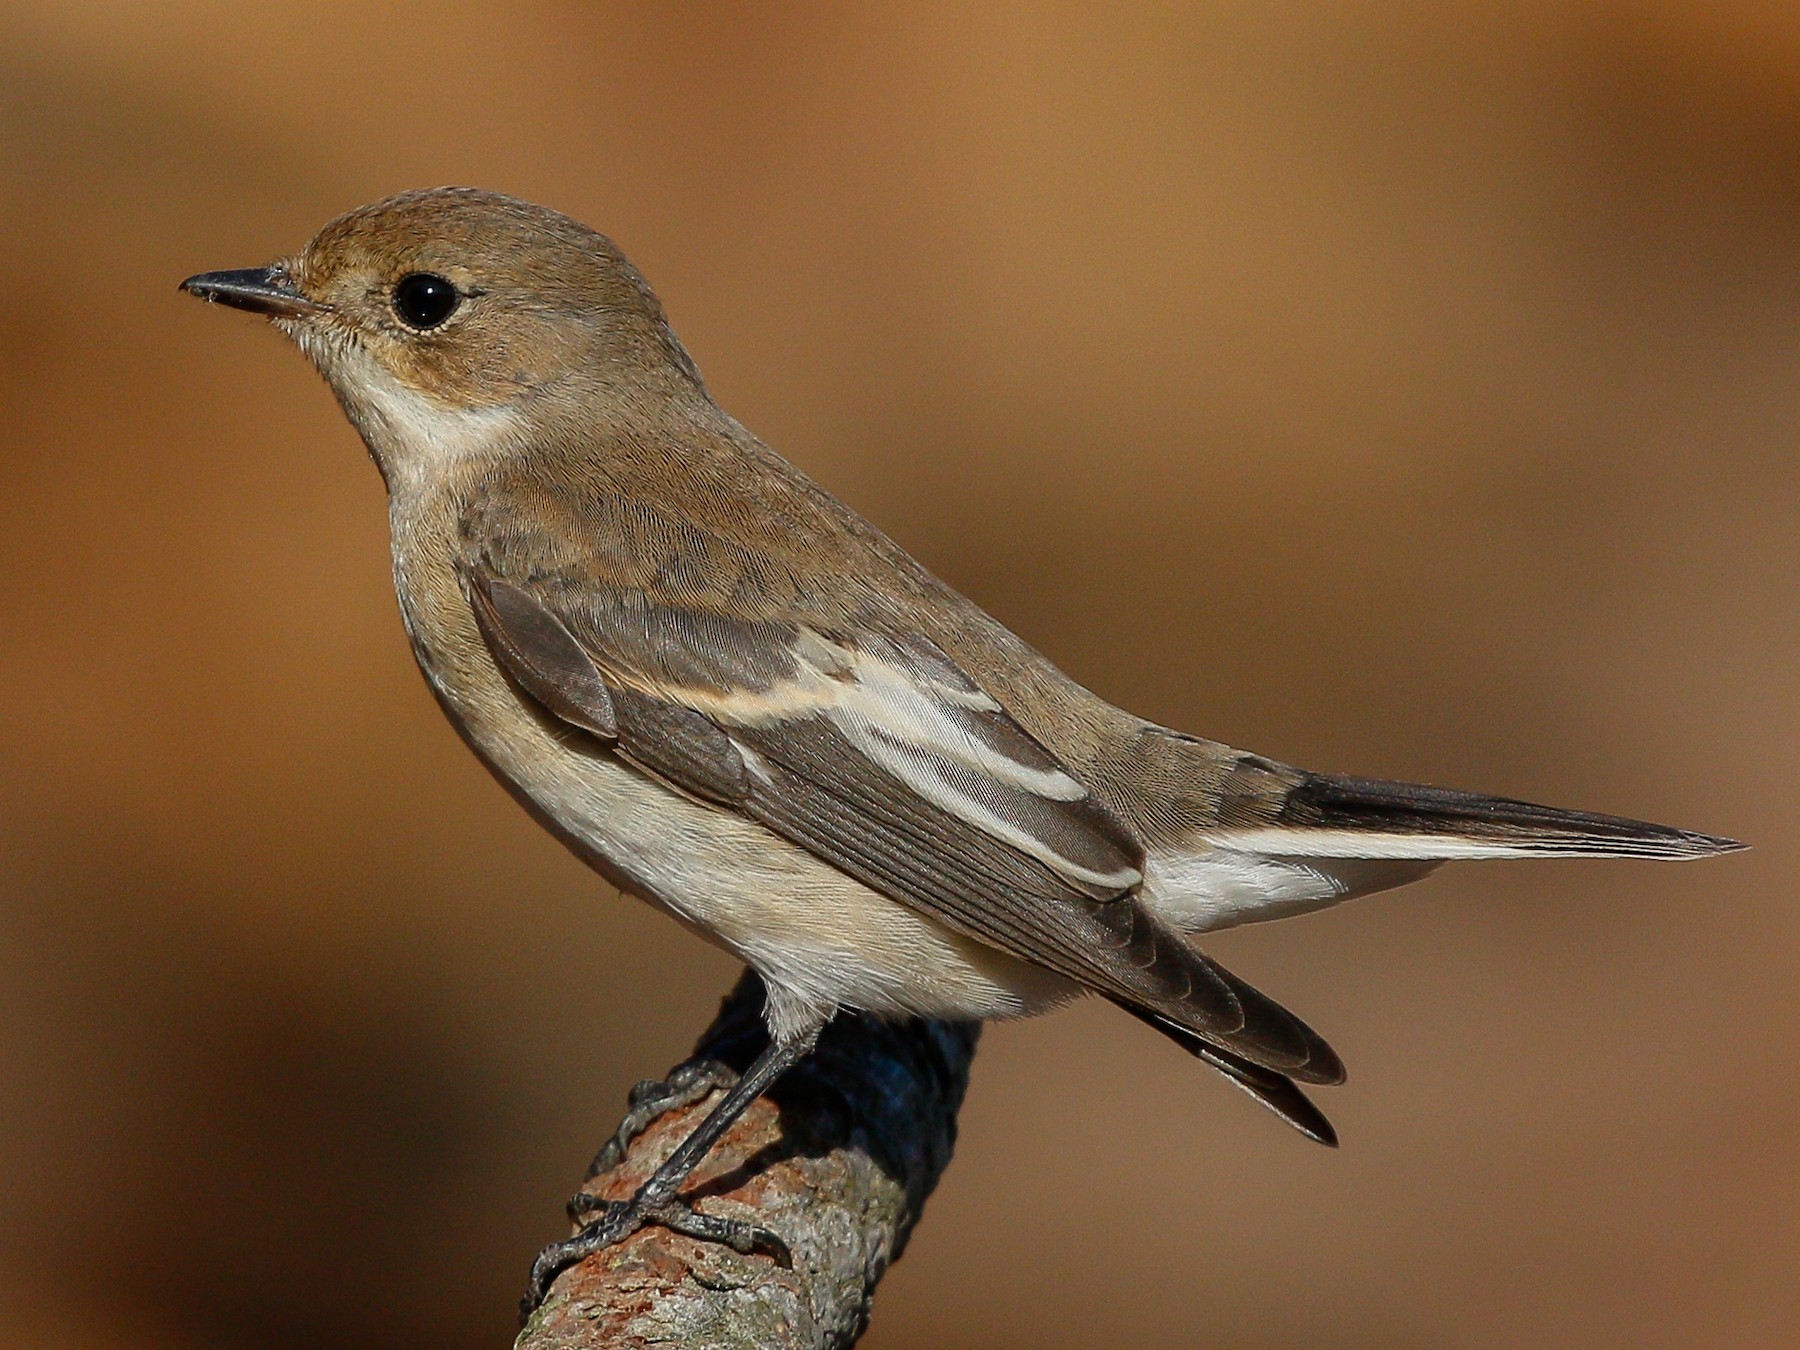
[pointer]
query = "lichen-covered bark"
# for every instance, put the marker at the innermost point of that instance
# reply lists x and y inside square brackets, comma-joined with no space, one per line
[837,1159]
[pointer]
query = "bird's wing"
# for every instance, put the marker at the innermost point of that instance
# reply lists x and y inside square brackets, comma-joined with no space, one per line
[1274,1090]
[874,751]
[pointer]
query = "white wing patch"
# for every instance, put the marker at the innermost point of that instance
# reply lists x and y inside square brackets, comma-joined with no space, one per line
[947,741]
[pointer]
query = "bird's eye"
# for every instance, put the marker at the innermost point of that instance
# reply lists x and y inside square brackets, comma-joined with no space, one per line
[423,300]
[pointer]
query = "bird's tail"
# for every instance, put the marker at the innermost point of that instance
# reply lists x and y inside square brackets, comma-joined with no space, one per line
[1262,839]
[1335,815]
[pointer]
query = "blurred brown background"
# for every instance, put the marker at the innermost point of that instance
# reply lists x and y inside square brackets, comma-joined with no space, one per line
[1404,389]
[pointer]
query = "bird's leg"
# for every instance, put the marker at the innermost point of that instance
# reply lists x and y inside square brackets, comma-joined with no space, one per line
[657,1201]
[649,1102]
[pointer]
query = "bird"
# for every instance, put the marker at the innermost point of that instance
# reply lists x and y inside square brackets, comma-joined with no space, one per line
[738,700]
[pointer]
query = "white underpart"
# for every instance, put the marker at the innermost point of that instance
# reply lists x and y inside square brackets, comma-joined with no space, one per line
[818,934]
[430,433]
[890,713]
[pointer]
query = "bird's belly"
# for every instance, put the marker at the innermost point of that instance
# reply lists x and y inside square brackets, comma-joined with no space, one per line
[824,938]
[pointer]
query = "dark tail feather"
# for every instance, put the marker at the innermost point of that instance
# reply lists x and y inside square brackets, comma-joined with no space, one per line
[1276,1091]
[1406,819]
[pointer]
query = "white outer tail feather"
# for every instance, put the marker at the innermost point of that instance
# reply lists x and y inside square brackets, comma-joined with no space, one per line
[1257,873]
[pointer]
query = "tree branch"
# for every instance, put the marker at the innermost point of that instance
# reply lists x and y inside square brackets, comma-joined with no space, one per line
[837,1159]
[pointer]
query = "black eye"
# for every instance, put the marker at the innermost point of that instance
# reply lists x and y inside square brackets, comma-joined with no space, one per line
[423,300]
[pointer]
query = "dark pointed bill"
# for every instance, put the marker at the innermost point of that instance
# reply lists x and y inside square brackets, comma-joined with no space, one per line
[261,290]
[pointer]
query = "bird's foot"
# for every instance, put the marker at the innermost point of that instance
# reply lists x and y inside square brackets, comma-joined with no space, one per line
[648,1103]
[617,1220]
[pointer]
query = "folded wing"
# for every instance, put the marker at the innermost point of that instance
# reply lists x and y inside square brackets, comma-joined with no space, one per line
[874,751]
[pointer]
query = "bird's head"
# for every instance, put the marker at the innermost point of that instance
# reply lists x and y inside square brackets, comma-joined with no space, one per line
[454,315]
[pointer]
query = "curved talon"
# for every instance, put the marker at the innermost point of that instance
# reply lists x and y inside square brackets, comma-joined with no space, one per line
[619,1219]
[584,1203]
[650,1100]
[741,1236]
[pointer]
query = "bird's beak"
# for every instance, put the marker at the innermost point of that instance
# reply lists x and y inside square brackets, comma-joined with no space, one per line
[262,290]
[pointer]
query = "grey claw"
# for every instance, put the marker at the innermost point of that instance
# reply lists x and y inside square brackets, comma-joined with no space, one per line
[619,1219]
[652,1099]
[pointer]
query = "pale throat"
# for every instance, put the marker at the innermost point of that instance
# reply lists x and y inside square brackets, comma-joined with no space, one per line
[416,438]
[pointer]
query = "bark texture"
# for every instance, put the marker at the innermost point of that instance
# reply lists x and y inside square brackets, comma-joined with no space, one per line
[837,1159]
